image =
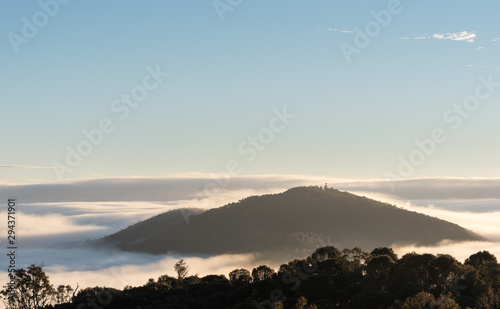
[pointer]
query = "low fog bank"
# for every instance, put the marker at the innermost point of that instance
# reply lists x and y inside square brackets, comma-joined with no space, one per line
[56,214]
[197,187]
[111,268]
[460,251]
[134,189]
[429,188]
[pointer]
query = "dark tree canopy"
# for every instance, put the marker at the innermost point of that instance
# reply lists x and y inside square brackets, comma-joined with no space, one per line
[328,278]
[240,276]
[481,258]
[262,272]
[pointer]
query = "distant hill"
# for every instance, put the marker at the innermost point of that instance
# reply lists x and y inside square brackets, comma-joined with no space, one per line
[290,223]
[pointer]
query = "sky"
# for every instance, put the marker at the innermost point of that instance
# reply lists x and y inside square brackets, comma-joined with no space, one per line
[359,81]
[115,111]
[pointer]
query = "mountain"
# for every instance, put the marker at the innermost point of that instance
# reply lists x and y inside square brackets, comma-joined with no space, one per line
[290,223]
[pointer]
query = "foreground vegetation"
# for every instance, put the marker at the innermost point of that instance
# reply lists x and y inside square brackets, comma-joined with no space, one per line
[329,278]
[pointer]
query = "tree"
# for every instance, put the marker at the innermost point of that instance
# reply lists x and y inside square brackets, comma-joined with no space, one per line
[421,300]
[419,266]
[165,281]
[151,284]
[31,289]
[325,253]
[489,299]
[380,267]
[262,272]
[302,304]
[64,294]
[278,305]
[426,300]
[239,276]
[445,302]
[445,273]
[481,258]
[385,251]
[181,269]
[356,257]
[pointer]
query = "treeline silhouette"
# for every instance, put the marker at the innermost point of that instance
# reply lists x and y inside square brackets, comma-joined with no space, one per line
[287,225]
[328,278]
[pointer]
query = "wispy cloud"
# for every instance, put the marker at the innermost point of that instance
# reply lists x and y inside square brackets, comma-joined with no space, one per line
[339,30]
[457,36]
[415,37]
[495,40]
[463,36]
[25,166]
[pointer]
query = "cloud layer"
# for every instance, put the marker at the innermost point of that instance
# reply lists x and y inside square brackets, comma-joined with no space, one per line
[458,36]
[463,36]
[186,187]
[25,166]
[145,189]
[51,216]
[432,188]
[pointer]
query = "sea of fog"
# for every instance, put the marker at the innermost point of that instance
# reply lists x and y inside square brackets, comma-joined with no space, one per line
[48,233]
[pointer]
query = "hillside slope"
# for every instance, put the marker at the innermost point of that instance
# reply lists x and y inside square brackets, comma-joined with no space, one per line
[294,221]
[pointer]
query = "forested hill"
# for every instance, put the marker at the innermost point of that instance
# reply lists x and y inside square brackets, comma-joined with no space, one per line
[295,221]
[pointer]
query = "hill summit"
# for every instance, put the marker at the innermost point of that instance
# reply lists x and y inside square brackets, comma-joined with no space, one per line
[293,222]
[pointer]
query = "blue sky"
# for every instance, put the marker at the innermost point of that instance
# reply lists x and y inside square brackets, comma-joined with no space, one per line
[227,78]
